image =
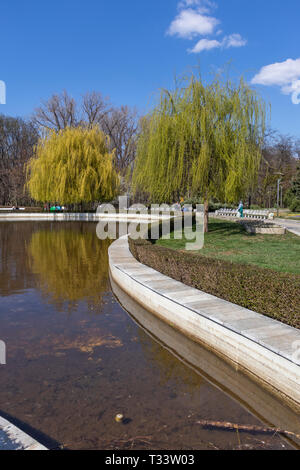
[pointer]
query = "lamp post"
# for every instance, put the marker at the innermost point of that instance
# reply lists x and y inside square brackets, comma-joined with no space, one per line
[278,191]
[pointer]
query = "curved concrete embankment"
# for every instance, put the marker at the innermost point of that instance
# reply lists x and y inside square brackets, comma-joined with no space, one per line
[80,216]
[12,438]
[267,407]
[262,347]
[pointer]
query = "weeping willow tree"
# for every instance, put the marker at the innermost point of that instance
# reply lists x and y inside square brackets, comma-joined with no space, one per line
[72,166]
[201,141]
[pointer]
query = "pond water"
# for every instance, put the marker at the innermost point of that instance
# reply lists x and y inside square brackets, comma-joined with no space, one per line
[76,358]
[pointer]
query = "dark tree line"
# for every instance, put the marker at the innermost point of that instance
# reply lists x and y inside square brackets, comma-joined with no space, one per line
[17,140]
[280,160]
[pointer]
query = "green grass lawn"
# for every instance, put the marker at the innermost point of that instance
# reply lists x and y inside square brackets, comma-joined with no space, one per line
[229,241]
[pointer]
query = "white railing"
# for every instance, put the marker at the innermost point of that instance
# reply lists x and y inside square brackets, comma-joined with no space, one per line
[7,209]
[248,214]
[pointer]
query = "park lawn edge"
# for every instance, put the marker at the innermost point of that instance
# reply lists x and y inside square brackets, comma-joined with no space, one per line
[271,293]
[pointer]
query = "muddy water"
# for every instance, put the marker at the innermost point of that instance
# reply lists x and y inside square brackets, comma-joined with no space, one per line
[75,358]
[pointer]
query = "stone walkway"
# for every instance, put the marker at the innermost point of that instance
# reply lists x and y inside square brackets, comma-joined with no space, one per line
[291,225]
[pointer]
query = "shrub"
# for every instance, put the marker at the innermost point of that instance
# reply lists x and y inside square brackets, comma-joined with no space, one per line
[269,292]
[295,205]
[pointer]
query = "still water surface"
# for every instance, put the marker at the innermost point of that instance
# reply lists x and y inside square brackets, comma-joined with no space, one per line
[76,358]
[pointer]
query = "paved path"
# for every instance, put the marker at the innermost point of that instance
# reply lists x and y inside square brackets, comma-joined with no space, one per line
[291,225]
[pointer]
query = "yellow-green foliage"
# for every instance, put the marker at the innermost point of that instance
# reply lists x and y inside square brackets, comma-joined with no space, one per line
[72,166]
[70,265]
[201,140]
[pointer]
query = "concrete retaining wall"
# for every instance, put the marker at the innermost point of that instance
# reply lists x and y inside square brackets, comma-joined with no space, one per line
[85,217]
[260,346]
[12,438]
[224,376]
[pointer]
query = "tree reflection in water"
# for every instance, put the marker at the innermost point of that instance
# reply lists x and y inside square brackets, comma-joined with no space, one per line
[71,264]
[15,275]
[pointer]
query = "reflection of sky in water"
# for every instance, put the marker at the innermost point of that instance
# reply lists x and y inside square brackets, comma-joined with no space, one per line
[75,358]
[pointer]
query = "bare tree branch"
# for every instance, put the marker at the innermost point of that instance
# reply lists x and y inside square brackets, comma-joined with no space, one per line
[121,127]
[59,112]
[94,108]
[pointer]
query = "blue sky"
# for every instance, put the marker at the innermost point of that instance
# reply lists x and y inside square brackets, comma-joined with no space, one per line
[128,49]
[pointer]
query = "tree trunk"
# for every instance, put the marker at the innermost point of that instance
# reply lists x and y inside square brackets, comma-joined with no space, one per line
[206,209]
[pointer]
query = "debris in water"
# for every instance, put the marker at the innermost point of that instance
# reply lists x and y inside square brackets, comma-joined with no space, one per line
[119,418]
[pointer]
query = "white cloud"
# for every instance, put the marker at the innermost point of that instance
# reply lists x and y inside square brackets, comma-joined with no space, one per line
[284,74]
[234,40]
[205,45]
[280,73]
[195,19]
[190,23]
[188,3]
[203,6]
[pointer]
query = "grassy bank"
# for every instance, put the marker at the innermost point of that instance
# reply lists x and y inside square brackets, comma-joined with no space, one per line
[230,242]
[259,272]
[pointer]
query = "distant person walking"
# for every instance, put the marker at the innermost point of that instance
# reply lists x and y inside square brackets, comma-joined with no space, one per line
[241,209]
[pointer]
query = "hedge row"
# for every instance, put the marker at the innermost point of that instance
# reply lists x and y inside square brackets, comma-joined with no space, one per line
[272,293]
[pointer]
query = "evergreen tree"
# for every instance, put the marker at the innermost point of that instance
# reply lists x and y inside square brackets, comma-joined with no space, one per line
[294,193]
[296,185]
